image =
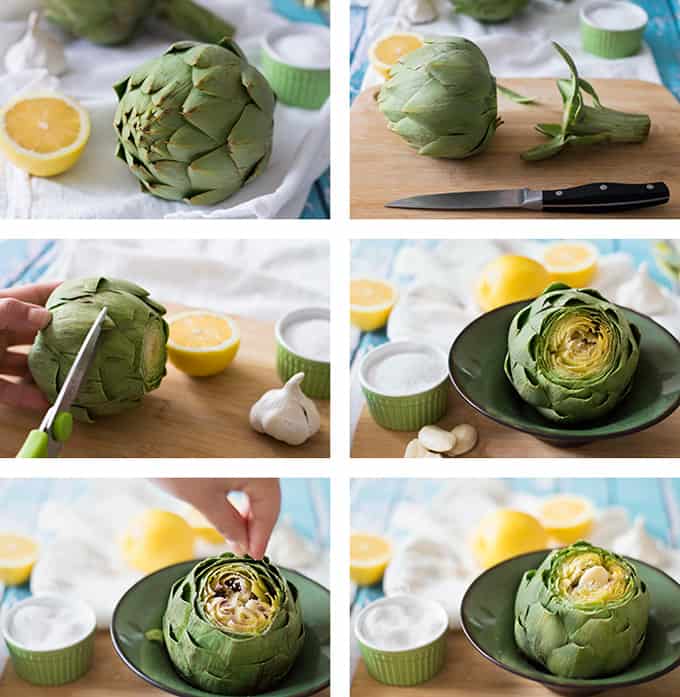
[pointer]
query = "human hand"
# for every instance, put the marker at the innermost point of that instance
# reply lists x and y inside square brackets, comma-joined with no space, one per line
[249,531]
[22,316]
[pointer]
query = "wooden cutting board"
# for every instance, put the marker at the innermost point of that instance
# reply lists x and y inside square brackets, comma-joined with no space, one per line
[371,440]
[384,168]
[109,677]
[467,674]
[187,417]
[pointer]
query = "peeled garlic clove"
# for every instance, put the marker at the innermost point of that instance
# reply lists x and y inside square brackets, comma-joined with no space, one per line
[466,438]
[430,454]
[415,449]
[437,439]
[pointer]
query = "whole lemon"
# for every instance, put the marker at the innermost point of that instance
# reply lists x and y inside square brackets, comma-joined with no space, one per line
[505,533]
[508,279]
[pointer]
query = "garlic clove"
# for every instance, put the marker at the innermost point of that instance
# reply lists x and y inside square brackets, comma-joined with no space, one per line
[466,439]
[418,11]
[416,449]
[36,49]
[437,439]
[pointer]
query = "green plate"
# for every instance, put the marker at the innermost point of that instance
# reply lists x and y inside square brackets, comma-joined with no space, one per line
[487,614]
[142,608]
[476,370]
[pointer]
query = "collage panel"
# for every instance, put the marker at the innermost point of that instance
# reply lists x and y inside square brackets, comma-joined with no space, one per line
[514,108]
[515,348]
[129,587]
[165,348]
[515,586]
[165,109]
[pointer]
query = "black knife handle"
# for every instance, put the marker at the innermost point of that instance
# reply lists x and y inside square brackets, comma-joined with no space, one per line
[605,198]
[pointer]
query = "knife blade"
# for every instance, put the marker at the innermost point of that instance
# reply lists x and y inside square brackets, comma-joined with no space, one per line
[591,198]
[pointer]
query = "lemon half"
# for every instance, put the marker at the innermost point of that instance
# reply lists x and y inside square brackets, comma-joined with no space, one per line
[18,555]
[388,50]
[202,343]
[567,518]
[369,557]
[44,133]
[371,302]
[573,263]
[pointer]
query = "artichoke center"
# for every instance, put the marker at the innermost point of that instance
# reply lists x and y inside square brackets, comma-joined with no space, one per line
[578,346]
[236,603]
[153,352]
[590,578]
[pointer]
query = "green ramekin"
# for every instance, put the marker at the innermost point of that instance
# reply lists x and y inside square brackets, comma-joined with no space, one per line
[296,85]
[289,362]
[56,667]
[613,43]
[404,668]
[405,412]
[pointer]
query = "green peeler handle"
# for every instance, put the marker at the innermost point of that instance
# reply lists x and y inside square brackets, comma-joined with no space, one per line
[35,445]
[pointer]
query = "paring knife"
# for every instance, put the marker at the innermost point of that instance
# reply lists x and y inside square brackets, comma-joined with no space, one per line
[590,198]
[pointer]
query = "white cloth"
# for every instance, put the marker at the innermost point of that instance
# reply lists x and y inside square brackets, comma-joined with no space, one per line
[262,279]
[101,186]
[521,47]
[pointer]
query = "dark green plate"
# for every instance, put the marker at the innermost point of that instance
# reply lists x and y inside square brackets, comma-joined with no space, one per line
[476,370]
[487,614]
[142,608]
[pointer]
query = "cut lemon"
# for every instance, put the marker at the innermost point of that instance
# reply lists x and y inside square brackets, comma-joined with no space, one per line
[44,133]
[203,528]
[202,343]
[369,557]
[509,279]
[18,555]
[566,518]
[388,50]
[505,533]
[371,302]
[573,263]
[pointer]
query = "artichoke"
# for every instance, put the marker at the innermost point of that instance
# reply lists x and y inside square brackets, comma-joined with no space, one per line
[572,354]
[441,99]
[490,10]
[197,124]
[111,22]
[583,613]
[131,354]
[233,626]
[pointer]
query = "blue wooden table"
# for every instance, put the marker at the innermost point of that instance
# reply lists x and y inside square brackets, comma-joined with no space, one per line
[658,501]
[377,257]
[663,36]
[305,505]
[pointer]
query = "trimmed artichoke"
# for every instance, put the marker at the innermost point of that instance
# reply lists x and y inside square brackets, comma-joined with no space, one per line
[583,613]
[441,99]
[233,625]
[131,354]
[490,10]
[111,22]
[572,354]
[197,124]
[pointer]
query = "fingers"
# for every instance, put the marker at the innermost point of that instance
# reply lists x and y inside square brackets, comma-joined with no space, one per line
[35,294]
[22,321]
[264,496]
[22,395]
[229,522]
[12,363]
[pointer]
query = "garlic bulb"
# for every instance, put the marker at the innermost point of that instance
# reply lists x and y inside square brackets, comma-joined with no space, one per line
[418,11]
[641,293]
[37,49]
[286,414]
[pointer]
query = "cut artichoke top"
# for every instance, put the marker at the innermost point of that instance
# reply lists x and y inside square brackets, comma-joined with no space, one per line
[238,600]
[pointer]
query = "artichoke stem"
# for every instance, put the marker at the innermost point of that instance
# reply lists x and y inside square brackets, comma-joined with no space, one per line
[621,127]
[199,23]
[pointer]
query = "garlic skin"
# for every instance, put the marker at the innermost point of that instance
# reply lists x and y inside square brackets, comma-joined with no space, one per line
[37,49]
[418,11]
[286,414]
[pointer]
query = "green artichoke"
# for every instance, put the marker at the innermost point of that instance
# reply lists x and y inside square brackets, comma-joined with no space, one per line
[197,124]
[490,10]
[111,22]
[233,626]
[583,613]
[572,354]
[441,99]
[131,354]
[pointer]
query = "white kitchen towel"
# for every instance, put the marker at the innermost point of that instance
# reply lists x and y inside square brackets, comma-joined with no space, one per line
[262,279]
[521,47]
[101,186]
